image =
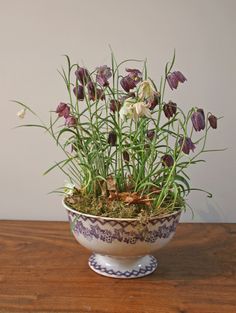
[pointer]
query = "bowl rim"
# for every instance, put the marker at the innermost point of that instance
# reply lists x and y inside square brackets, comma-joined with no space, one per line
[120,219]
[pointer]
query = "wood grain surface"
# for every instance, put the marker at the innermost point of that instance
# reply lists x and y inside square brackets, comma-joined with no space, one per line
[43,269]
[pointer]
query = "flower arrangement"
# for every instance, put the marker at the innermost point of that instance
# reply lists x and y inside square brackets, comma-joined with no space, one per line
[126,148]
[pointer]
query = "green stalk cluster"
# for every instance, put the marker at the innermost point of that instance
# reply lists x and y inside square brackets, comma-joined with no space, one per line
[133,161]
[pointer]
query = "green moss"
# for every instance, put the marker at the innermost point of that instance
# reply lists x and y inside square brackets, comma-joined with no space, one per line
[102,206]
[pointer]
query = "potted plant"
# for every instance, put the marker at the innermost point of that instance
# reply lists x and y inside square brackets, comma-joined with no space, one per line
[127,150]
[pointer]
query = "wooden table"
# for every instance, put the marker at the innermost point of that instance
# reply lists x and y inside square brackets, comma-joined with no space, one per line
[43,269]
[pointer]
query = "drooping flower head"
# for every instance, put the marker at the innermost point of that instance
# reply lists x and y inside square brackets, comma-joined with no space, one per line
[71,121]
[181,78]
[151,134]
[134,110]
[82,75]
[103,74]
[100,95]
[79,92]
[186,145]
[112,137]
[174,78]
[146,91]
[155,101]
[213,121]
[115,105]
[126,156]
[131,80]
[94,93]
[127,108]
[198,120]
[63,110]
[141,109]
[170,109]
[91,90]
[127,83]
[167,160]
[134,74]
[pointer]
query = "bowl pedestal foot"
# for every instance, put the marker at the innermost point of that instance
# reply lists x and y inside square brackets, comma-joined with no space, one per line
[122,267]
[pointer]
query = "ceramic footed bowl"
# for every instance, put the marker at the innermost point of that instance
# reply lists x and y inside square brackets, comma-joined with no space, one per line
[122,247]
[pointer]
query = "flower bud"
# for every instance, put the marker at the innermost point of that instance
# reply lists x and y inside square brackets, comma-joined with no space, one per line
[79,92]
[82,75]
[21,113]
[63,110]
[115,105]
[150,134]
[112,138]
[126,156]
[186,145]
[167,160]
[170,109]
[198,120]
[213,121]
[71,121]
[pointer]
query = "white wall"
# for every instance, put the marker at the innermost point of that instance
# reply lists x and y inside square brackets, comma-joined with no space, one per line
[35,34]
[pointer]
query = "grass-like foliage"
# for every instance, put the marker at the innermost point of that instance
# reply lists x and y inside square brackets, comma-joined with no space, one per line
[126,148]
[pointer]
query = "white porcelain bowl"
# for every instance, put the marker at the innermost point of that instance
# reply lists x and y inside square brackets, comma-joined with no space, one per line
[122,247]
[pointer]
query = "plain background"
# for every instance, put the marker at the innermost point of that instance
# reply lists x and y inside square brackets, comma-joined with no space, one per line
[35,34]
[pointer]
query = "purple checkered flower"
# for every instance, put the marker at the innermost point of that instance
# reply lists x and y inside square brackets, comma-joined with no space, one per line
[170,109]
[71,121]
[134,74]
[100,94]
[127,83]
[79,92]
[82,75]
[91,90]
[174,78]
[167,160]
[95,93]
[180,76]
[63,110]
[103,74]
[151,134]
[131,80]
[198,120]
[186,145]
[213,121]
[115,105]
